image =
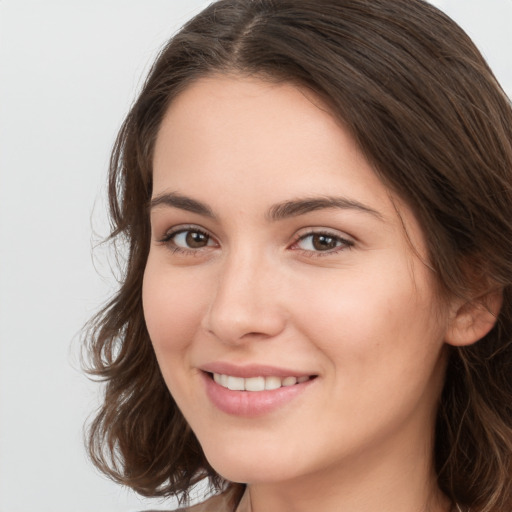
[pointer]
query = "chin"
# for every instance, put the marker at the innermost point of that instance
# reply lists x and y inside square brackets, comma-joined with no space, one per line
[248,467]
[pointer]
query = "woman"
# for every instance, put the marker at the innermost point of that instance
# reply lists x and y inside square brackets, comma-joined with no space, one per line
[316,308]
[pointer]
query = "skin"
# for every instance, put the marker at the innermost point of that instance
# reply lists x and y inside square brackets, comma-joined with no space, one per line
[362,315]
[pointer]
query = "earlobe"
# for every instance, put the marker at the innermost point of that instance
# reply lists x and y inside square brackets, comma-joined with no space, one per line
[472,320]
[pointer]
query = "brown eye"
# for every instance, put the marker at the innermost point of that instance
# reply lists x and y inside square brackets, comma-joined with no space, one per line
[189,239]
[196,239]
[324,242]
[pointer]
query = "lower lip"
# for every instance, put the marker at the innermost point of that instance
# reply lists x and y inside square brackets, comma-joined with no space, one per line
[251,403]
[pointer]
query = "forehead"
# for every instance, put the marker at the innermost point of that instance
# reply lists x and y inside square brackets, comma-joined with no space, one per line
[248,129]
[219,103]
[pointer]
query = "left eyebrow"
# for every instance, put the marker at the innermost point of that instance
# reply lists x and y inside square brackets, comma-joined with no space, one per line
[176,200]
[298,207]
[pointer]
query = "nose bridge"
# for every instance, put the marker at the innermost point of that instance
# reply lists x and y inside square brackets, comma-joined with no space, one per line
[245,303]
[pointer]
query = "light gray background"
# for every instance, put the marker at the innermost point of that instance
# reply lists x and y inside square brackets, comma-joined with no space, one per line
[69,70]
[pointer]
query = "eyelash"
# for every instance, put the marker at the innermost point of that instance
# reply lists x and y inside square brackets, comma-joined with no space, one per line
[170,235]
[344,243]
[168,240]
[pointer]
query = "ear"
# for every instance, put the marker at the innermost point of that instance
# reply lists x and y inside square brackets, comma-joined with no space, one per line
[472,320]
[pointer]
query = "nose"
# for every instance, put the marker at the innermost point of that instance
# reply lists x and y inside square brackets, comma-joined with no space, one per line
[245,304]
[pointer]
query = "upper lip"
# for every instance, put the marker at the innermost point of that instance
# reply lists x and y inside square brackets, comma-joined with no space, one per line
[251,370]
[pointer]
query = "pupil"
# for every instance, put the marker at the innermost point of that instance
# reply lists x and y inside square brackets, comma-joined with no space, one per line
[196,240]
[323,242]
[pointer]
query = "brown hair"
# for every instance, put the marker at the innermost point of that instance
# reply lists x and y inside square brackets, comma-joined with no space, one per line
[429,115]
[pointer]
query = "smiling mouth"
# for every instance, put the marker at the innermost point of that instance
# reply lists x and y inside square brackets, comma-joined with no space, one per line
[255,384]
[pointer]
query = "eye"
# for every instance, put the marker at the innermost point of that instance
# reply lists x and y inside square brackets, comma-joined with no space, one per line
[188,239]
[322,243]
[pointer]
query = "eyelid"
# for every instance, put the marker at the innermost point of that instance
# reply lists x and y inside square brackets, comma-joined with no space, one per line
[167,239]
[179,228]
[347,242]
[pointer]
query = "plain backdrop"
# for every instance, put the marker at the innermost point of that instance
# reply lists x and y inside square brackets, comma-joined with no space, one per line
[69,71]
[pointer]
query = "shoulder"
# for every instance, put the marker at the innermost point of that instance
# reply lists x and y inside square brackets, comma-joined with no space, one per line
[227,501]
[219,503]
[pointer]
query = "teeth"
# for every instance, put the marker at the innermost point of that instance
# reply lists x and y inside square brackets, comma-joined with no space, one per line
[272,383]
[221,379]
[256,383]
[236,383]
[290,381]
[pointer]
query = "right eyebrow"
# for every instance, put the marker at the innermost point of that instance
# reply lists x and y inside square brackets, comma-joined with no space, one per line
[298,207]
[176,200]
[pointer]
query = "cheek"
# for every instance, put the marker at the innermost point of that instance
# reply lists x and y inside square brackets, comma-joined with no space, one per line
[172,308]
[382,341]
[367,317]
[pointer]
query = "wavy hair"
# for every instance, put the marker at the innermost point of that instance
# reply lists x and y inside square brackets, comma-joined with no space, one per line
[430,116]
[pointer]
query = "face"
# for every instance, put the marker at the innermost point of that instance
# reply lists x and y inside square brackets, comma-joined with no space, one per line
[294,324]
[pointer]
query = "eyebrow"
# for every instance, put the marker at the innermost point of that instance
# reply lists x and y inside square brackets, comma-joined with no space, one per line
[298,207]
[175,200]
[280,211]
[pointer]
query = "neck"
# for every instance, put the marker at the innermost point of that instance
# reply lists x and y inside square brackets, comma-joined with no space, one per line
[344,498]
[385,482]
